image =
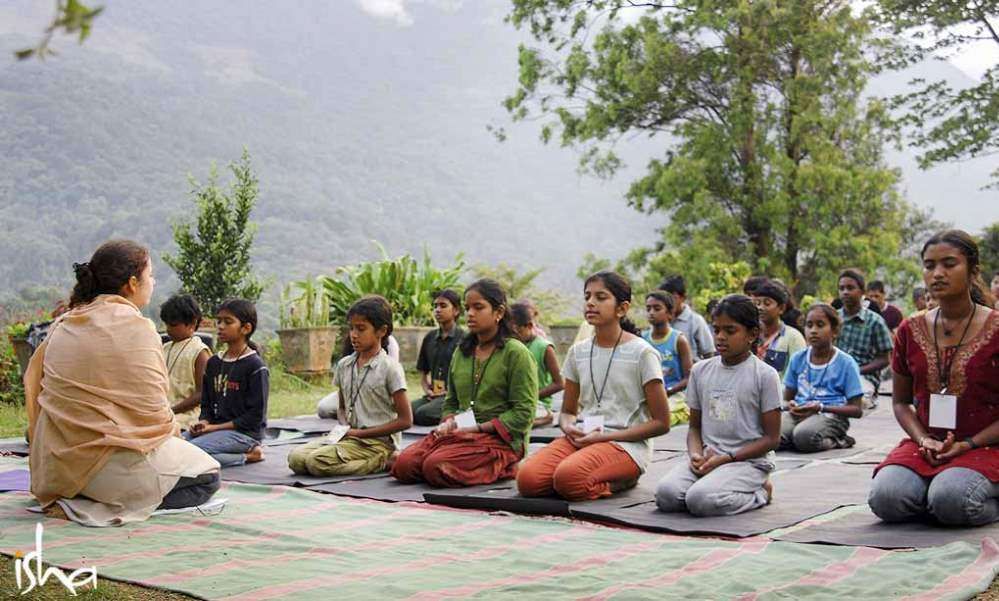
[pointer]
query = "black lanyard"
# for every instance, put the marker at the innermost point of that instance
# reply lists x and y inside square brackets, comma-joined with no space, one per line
[475,381]
[945,369]
[170,365]
[593,383]
[353,379]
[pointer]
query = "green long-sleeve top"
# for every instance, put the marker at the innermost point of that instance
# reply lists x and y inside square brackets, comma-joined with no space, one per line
[506,395]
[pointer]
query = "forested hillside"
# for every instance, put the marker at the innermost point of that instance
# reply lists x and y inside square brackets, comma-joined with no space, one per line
[360,129]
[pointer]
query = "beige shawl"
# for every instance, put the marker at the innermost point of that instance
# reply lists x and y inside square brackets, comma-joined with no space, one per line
[97,385]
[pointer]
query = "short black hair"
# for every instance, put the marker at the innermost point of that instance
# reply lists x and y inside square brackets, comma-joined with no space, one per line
[521,314]
[918,292]
[450,295]
[664,297]
[752,283]
[771,290]
[180,309]
[876,286]
[853,274]
[674,284]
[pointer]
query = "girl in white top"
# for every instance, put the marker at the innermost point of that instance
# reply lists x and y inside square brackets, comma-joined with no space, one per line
[734,401]
[614,383]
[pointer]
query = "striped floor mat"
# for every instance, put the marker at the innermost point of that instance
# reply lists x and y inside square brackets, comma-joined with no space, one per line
[285,543]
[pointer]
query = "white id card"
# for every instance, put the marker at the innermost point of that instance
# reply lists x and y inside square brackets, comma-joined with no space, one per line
[465,419]
[593,423]
[337,433]
[943,411]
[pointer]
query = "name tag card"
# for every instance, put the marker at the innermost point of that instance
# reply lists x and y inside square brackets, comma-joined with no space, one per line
[337,433]
[593,423]
[943,411]
[465,419]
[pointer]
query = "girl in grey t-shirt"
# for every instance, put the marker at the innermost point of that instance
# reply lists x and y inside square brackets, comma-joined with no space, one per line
[734,400]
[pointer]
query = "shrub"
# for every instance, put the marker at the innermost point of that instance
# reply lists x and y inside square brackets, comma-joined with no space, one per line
[309,309]
[407,284]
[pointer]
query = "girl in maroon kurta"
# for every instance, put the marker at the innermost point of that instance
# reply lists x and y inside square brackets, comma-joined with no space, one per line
[949,474]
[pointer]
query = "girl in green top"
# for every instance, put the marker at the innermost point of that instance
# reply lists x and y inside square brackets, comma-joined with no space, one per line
[543,351]
[490,404]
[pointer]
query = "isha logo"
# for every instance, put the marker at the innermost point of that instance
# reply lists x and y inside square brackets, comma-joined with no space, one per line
[23,571]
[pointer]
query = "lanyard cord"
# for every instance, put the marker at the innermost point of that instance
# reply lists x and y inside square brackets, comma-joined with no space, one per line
[356,393]
[477,379]
[944,368]
[593,383]
[822,376]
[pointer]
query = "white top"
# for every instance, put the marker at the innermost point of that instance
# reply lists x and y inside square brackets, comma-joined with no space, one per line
[622,402]
[366,392]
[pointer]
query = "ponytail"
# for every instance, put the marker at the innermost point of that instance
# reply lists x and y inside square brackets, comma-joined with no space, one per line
[621,289]
[113,264]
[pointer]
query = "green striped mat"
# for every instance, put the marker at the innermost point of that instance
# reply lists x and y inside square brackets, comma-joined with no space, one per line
[286,543]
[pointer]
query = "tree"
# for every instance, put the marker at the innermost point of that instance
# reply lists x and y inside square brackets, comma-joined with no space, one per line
[989,250]
[213,260]
[769,153]
[72,16]
[551,305]
[948,124]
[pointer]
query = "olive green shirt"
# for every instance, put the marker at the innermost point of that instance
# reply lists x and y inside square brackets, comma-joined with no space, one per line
[506,395]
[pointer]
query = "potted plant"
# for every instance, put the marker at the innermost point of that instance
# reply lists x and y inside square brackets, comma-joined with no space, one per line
[307,338]
[406,283]
[18,335]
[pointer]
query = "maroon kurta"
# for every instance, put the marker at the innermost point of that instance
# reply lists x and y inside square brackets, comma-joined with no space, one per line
[974,378]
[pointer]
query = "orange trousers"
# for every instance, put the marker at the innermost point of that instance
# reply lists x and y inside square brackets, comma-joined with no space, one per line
[594,471]
[455,460]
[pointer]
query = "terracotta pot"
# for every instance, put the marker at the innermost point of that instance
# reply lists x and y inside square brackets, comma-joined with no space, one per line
[308,350]
[22,350]
[563,337]
[410,338]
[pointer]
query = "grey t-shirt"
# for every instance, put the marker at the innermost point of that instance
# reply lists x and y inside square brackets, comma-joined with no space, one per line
[622,403]
[366,392]
[732,400]
[695,328]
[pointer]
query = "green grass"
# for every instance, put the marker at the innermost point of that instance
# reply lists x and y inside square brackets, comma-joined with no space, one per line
[106,590]
[290,395]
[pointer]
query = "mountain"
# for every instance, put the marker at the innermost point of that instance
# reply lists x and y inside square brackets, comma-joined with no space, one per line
[364,123]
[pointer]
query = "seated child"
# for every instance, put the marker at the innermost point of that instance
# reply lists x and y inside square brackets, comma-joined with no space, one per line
[674,351]
[186,357]
[822,387]
[614,382]
[234,391]
[434,361]
[373,402]
[734,401]
[543,351]
[780,341]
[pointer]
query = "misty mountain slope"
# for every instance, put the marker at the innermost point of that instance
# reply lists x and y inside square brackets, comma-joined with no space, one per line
[359,129]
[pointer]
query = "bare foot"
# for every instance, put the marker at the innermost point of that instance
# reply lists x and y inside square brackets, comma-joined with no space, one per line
[256,454]
[56,511]
[768,486]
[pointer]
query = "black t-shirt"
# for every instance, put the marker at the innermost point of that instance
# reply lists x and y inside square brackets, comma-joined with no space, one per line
[236,391]
[436,352]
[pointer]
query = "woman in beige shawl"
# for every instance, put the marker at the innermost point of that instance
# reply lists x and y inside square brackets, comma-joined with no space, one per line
[104,445]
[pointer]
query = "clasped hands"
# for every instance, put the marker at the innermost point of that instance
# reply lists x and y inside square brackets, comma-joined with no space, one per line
[937,452]
[580,439]
[703,463]
[200,428]
[804,410]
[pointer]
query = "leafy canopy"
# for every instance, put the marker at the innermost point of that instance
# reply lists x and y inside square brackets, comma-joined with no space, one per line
[768,151]
[213,259]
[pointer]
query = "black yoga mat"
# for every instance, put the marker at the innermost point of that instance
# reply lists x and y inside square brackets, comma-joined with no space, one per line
[800,494]
[511,500]
[546,434]
[307,424]
[14,446]
[864,529]
[274,470]
[390,489]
